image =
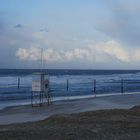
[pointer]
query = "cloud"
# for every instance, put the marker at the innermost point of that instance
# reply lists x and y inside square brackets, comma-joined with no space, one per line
[44,30]
[19,26]
[122,23]
[1,25]
[105,52]
[40,38]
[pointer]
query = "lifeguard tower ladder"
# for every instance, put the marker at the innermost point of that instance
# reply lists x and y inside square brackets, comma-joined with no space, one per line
[40,88]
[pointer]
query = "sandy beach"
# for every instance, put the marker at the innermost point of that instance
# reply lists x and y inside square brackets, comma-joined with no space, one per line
[101,118]
[26,113]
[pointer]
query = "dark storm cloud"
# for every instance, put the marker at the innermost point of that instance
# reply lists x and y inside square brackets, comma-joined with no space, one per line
[19,26]
[123,24]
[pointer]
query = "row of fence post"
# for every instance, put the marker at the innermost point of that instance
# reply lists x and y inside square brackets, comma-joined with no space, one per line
[67,85]
[95,86]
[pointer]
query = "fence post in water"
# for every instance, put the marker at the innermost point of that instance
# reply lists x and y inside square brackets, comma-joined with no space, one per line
[32,99]
[67,84]
[95,87]
[18,82]
[122,86]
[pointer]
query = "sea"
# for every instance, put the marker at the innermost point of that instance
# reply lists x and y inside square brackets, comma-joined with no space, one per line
[16,84]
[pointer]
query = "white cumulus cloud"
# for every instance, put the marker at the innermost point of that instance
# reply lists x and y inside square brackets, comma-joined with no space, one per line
[95,53]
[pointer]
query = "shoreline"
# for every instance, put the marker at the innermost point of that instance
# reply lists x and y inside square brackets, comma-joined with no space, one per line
[14,103]
[26,113]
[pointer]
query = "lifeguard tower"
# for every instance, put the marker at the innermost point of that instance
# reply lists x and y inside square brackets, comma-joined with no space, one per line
[40,88]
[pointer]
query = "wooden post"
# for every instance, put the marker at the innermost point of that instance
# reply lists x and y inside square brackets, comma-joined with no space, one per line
[122,86]
[18,82]
[95,87]
[32,99]
[40,96]
[67,84]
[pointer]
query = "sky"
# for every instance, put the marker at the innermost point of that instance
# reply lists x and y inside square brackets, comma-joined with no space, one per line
[74,34]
